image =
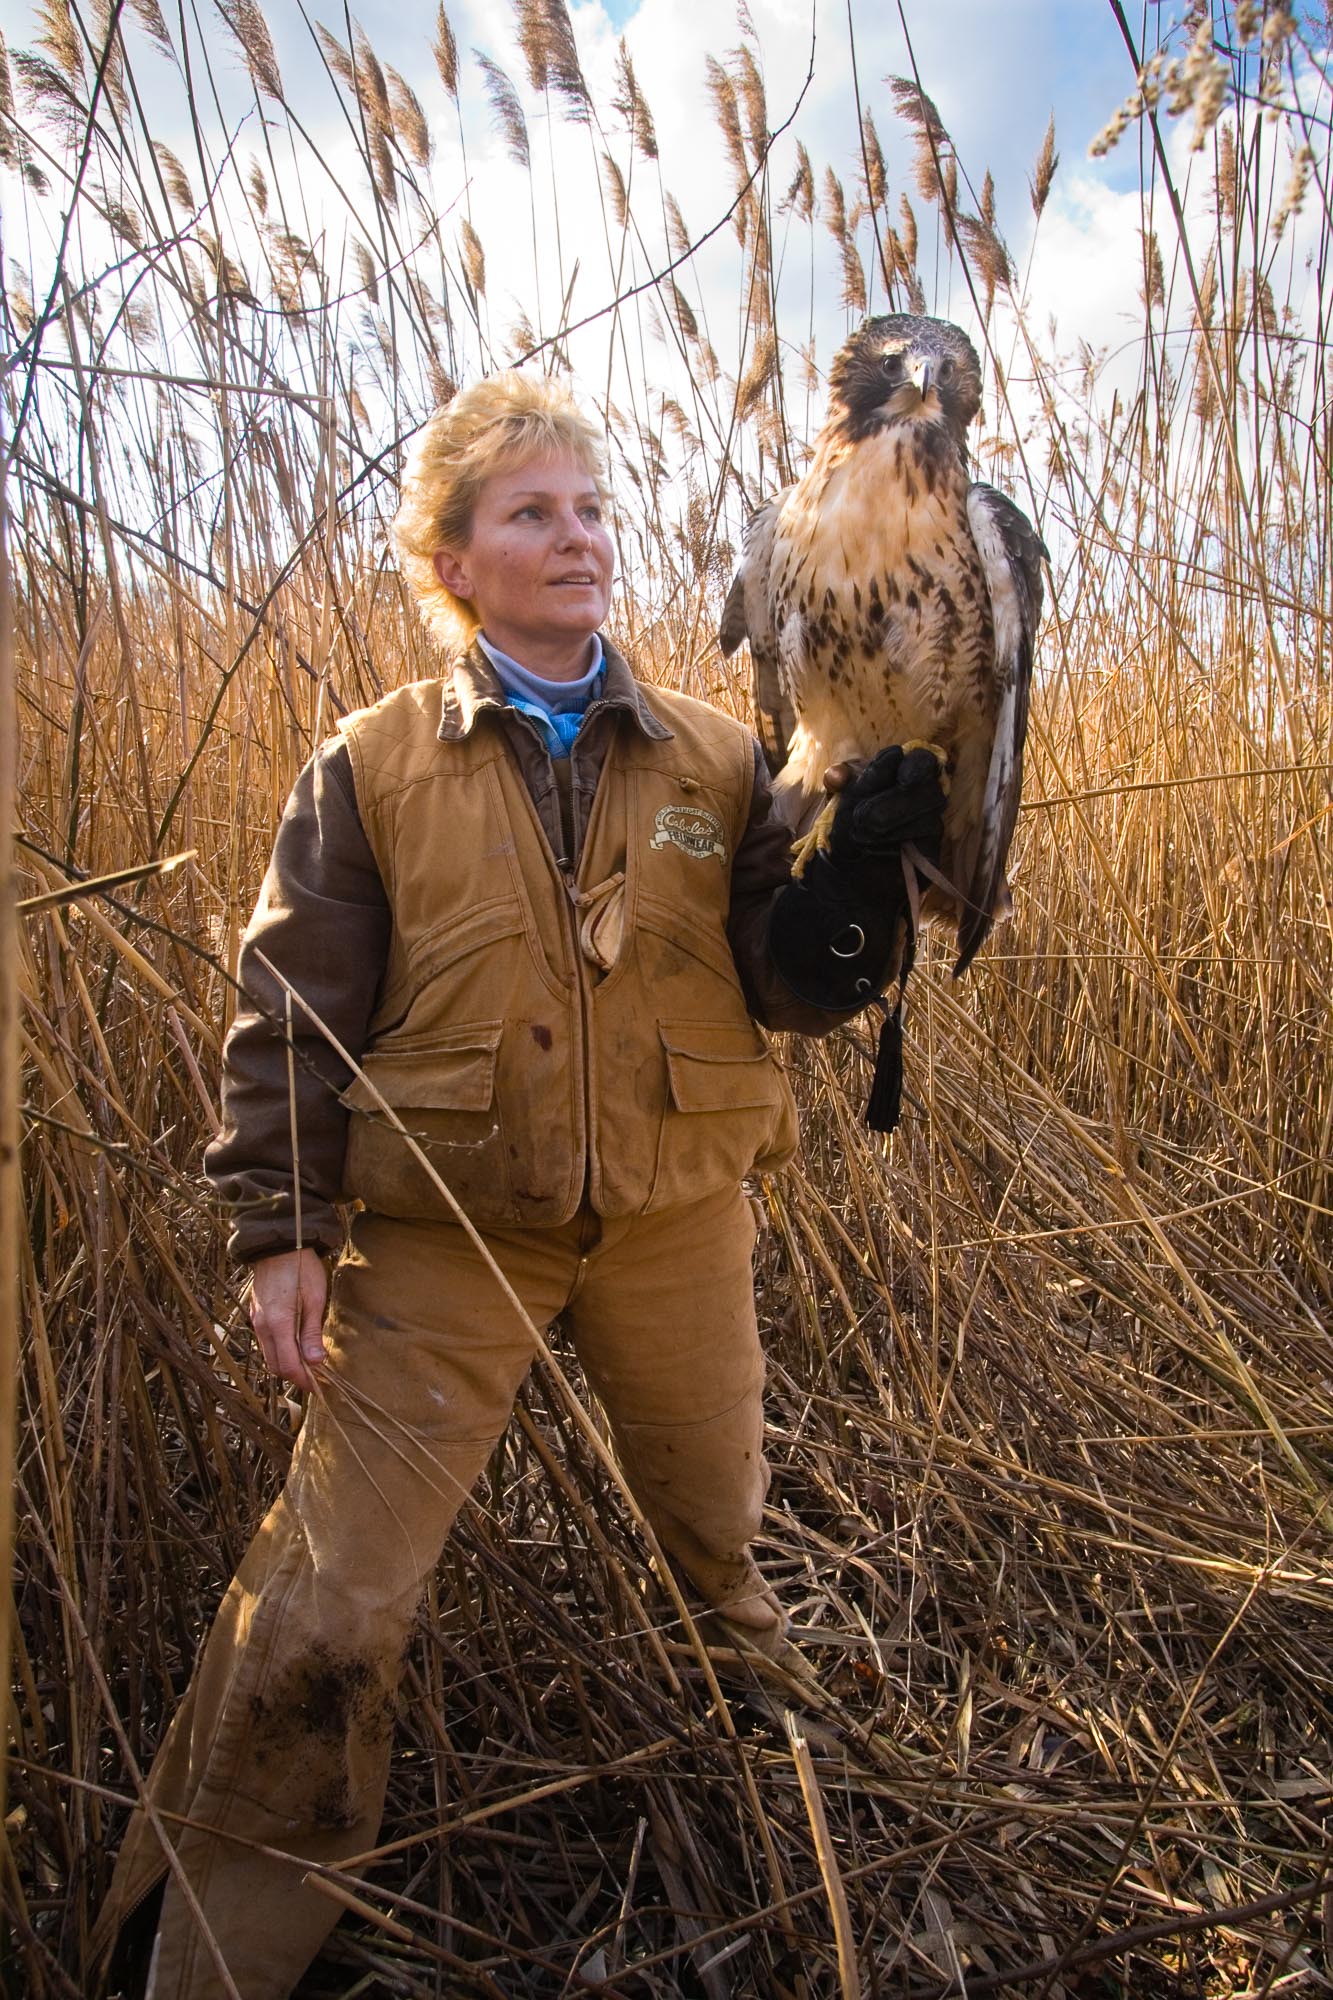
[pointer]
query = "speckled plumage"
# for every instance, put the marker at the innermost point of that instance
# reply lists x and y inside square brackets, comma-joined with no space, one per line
[888,598]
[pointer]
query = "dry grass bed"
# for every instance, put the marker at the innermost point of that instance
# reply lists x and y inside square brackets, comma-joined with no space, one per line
[1050,1417]
[1050,1395]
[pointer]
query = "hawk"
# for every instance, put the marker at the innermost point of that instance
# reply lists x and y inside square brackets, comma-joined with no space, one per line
[888,598]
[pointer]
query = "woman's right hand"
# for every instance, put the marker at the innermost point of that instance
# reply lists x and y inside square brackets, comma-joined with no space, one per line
[290,1292]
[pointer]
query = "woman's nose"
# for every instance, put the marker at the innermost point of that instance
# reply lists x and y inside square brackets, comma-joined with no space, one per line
[574,530]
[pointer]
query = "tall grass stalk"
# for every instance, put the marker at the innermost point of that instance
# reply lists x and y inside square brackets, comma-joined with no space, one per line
[1049,1389]
[11,1206]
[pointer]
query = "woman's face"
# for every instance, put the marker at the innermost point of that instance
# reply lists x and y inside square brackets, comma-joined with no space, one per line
[538,563]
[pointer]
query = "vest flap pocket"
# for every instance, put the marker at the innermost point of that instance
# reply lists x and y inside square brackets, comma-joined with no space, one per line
[452,1069]
[718,1066]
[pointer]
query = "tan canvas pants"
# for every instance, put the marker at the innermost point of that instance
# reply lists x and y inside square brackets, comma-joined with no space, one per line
[283,1737]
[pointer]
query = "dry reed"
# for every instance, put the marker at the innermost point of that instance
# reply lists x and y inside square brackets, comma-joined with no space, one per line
[1050,1401]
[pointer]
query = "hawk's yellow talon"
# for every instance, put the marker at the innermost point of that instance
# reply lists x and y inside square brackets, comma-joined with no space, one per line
[813,842]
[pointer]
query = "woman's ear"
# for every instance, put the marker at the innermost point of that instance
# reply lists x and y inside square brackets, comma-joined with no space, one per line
[453,573]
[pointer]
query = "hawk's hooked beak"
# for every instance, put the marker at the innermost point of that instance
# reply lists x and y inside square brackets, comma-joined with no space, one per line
[923,374]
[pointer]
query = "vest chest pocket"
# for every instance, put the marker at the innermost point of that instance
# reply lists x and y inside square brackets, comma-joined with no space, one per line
[441,1084]
[727,1111]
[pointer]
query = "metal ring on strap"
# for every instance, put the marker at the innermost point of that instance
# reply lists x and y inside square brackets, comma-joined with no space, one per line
[853,951]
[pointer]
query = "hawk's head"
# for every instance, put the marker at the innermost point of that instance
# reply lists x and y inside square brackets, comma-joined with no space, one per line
[905,368]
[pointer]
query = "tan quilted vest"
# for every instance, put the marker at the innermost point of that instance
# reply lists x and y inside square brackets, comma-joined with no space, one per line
[526,1072]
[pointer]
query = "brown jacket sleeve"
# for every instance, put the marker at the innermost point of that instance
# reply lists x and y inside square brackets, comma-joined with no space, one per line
[763,866]
[323,920]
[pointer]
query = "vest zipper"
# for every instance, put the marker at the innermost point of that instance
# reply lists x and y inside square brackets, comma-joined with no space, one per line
[582,970]
[564,869]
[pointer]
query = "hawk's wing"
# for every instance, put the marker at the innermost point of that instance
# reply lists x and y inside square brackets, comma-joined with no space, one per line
[748,614]
[1011,554]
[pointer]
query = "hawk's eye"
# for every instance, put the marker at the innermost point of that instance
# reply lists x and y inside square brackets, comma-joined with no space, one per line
[892,364]
[945,371]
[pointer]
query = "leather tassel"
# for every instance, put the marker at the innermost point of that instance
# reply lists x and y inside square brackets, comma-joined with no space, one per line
[885,1103]
[884,1106]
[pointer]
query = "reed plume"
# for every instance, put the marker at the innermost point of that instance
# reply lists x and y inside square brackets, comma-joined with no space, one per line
[506,110]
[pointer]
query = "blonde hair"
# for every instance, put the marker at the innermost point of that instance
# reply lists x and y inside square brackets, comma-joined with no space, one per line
[487,428]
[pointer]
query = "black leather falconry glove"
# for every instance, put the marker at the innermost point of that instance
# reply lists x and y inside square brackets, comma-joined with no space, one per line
[833,934]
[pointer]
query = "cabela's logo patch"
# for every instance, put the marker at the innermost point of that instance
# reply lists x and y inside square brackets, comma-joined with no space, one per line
[692,830]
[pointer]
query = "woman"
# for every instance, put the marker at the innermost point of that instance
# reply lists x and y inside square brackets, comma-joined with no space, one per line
[533,899]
